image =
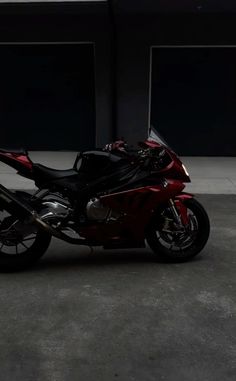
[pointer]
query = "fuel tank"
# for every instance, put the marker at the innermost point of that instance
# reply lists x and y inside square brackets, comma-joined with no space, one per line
[93,164]
[104,167]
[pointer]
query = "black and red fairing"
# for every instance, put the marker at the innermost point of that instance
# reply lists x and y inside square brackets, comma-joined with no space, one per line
[137,206]
[174,168]
[19,160]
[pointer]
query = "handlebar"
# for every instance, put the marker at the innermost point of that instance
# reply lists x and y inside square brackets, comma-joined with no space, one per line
[122,147]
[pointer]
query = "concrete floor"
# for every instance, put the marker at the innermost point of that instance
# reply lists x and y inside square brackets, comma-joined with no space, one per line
[108,316]
[209,175]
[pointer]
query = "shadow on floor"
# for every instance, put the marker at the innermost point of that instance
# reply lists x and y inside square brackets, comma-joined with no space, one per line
[103,258]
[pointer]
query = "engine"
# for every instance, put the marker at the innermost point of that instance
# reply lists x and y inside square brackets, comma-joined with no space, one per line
[56,209]
[96,211]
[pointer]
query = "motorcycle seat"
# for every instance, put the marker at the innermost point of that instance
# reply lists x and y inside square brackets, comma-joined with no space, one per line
[46,173]
[17,151]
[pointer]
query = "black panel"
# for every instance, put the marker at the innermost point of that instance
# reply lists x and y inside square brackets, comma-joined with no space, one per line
[47,96]
[194,99]
[176,6]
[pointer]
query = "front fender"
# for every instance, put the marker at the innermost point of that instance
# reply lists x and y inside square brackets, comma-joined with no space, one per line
[184,196]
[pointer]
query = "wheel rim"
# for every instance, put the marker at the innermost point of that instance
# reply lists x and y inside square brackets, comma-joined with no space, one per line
[175,240]
[16,238]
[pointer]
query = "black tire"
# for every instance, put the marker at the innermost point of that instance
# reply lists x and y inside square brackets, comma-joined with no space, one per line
[201,235]
[17,262]
[32,251]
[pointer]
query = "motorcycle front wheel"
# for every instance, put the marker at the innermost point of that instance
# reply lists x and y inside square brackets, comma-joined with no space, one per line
[171,244]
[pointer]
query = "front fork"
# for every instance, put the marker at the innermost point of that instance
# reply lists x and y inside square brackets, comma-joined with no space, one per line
[179,212]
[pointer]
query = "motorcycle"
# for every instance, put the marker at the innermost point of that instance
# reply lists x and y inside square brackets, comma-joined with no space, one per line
[117,197]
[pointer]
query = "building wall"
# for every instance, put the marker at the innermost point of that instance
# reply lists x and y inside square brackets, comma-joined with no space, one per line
[136,34]
[67,23]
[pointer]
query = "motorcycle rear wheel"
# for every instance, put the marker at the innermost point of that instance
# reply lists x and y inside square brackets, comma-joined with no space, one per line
[18,253]
[177,247]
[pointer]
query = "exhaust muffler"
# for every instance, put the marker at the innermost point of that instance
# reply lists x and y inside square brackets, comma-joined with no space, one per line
[17,207]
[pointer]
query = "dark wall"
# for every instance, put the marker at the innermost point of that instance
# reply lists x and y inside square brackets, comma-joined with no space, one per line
[194,99]
[67,23]
[181,6]
[137,33]
[47,96]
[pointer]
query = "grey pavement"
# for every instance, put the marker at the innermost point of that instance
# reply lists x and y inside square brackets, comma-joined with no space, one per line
[209,175]
[102,316]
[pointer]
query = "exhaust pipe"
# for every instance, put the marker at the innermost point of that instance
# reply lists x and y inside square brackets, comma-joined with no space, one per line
[18,208]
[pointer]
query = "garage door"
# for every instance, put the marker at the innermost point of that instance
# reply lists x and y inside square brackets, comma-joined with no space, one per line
[47,96]
[193,100]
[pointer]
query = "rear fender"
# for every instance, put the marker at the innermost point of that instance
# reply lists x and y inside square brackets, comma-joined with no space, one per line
[20,162]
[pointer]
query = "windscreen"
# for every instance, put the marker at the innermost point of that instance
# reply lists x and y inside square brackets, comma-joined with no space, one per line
[156,137]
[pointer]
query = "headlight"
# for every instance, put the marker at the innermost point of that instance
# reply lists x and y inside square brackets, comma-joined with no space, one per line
[185,170]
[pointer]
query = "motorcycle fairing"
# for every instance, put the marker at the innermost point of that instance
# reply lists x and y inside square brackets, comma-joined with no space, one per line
[136,207]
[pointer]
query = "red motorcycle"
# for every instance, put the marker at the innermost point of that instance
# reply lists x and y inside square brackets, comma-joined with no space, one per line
[116,197]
